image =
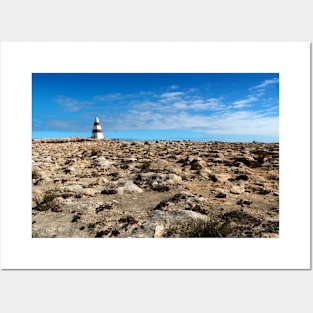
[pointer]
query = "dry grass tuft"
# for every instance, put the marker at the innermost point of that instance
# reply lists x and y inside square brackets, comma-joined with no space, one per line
[198,229]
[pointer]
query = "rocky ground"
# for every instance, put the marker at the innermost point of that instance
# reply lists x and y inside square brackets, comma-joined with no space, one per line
[116,188]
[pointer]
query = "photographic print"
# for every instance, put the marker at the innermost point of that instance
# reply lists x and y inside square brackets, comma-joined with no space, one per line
[155,155]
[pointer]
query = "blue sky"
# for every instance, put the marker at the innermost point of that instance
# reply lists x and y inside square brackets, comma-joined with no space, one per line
[224,106]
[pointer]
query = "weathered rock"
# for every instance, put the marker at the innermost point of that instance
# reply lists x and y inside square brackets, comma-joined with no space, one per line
[221,177]
[270,235]
[205,172]
[73,188]
[90,191]
[101,181]
[237,189]
[159,231]
[221,195]
[158,165]
[103,162]
[128,187]
[155,180]
[197,164]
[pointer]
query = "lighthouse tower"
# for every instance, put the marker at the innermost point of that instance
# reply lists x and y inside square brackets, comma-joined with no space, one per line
[97,131]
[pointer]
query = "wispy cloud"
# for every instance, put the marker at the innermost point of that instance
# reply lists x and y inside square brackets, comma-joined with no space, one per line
[171,95]
[60,124]
[110,96]
[241,123]
[70,104]
[245,102]
[199,104]
[244,123]
[265,83]
[123,96]
[172,107]
[187,110]
[174,87]
[191,113]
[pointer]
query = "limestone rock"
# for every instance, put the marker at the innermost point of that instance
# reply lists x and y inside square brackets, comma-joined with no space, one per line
[73,188]
[128,187]
[159,231]
[237,189]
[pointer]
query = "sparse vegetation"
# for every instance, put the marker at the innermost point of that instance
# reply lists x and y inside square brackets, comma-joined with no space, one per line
[145,166]
[35,174]
[128,189]
[47,203]
[95,151]
[271,226]
[197,229]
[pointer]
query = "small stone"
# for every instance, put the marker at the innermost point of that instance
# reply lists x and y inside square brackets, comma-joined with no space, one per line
[73,188]
[270,235]
[128,187]
[205,172]
[237,189]
[221,195]
[197,164]
[264,192]
[220,177]
[159,231]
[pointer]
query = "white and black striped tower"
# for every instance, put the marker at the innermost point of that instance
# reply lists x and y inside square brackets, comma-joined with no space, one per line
[97,131]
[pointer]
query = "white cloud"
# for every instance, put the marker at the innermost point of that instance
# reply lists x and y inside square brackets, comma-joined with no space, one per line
[244,123]
[199,104]
[172,95]
[108,97]
[62,124]
[118,96]
[152,110]
[192,89]
[265,84]
[70,104]
[178,117]
[180,105]
[245,102]
[174,87]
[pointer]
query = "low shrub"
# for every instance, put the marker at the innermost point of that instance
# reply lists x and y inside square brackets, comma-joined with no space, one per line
[95,151]
[197,229]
